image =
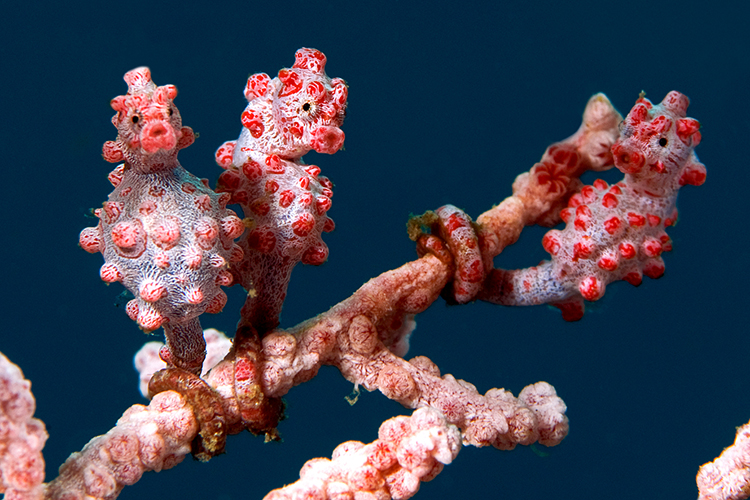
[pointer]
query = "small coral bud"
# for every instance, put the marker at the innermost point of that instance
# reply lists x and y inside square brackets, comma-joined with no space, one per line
[627,250]
[591,288]
[224,154]
[206,232]
[327,139]
[224,278]
[654,268]
[217,303]
[232,226]
[257,86]
[217,261]
[194,296]
[635,220]
[110,273]
[90,239]
[653,220]
[566,214]
[659,167]
[551,242]
[111,211]
[608,262]
[315,255]
[193,257]
[303,225]
[635,278]
[115,176]
[166,233]
[612,225]
[186,138]
[363,336]
[127,235]
[652,247]
[151,291]
[149,319]
[161,259]
[693,174]
[131,309]
[609,201]
[112,152]
[583,250]
[676,102]
[253,122]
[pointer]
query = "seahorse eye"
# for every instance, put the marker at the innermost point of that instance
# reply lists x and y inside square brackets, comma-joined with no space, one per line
[663,142]
[306,106]
[135,119]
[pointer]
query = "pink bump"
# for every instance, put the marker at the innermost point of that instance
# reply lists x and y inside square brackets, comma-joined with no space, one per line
[89,239]
[206,232]
[217,303]
[232,226]
[194,296]
[166,233]
[110,273]
[128,235]
[591,288]
[149,319]
[151,291]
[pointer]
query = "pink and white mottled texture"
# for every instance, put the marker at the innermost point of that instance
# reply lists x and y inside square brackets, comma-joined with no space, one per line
[163,233]
[728,477]
[286,200]
[408,451]
[363,337]
[614,232]
[146,438]
[22,437]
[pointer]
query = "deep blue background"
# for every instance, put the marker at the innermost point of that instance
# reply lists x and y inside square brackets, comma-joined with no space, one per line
[448,103]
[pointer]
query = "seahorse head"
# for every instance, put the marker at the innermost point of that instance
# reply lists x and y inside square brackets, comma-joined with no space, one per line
[656,143]
[148,123]
[300,110]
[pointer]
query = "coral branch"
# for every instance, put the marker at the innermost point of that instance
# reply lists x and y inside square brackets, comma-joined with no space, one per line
[146,438]
[364,337]
[22,437]
[539,194]
[538,197]
[728,477]
[409,450]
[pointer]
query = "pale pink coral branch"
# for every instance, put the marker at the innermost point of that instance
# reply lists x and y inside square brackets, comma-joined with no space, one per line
[364,337]
[408,451]
[728,477]
[22,437]
[146,438]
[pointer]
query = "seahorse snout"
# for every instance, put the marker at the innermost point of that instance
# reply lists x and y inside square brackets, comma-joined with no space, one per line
[326,139]
[158,134]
